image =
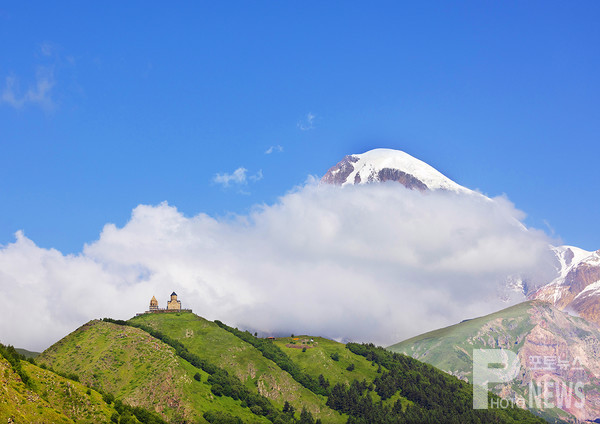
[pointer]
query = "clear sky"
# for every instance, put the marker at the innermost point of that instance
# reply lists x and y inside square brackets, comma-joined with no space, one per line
[108,105]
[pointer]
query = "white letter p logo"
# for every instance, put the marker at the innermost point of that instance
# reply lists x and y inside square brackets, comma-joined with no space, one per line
[484,374]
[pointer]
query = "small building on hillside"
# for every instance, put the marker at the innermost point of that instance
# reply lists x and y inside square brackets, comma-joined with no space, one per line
[174,304]
[153,304]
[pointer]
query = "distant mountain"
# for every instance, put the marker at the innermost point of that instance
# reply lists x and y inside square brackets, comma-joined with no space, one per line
[534,329]
[550,345]
[572,283]
[380,165]
[27,353]
[576,287]
[189,369]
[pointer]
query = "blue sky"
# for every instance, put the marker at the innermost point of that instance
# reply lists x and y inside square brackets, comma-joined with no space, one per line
[105,106]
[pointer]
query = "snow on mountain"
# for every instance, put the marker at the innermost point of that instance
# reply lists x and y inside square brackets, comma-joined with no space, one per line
[576,287]
[575,284]
[570,258]
[380,165]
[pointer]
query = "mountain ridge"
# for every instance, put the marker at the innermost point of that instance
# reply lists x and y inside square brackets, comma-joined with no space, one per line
[107,345]
[533,329]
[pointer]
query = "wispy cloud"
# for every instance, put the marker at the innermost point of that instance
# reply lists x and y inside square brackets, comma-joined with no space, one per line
[307,123]
[238,177]
[549,227]
[48,48]
[39,93]
[256,177]
[274,149]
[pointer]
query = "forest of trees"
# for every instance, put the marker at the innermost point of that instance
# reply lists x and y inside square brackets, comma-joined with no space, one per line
[434,396]
[14,359]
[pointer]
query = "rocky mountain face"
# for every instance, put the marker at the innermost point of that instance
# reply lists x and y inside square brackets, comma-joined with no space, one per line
[551,346]
[577,286]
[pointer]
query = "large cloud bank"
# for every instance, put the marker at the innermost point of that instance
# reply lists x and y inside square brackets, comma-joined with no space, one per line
[373,263]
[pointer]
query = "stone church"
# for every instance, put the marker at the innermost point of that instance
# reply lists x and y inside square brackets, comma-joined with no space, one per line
[153,304]
[173,305]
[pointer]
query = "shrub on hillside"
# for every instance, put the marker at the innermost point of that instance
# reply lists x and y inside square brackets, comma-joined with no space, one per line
[218,417]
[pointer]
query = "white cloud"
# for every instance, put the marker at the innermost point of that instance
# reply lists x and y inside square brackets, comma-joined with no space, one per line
[369,263]
[307,123]
[237,177]
[273,149]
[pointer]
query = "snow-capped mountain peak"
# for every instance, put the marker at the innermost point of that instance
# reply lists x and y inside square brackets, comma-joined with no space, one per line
[573,285]
[577,284]
[570,257]
[380,165]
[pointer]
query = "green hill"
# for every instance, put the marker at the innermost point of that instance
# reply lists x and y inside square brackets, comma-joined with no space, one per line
[31,394]
[337,364]
[139,370]
[207,340]
[190,370]
[450,348]
[315,356]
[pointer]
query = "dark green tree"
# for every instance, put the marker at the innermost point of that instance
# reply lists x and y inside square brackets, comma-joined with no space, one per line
[306,417]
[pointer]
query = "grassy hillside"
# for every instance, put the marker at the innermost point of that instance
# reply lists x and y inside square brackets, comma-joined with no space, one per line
[210,342]
[191,370]
[315,356]
[337,364]
[140,370]
[48,398]
[450,348]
